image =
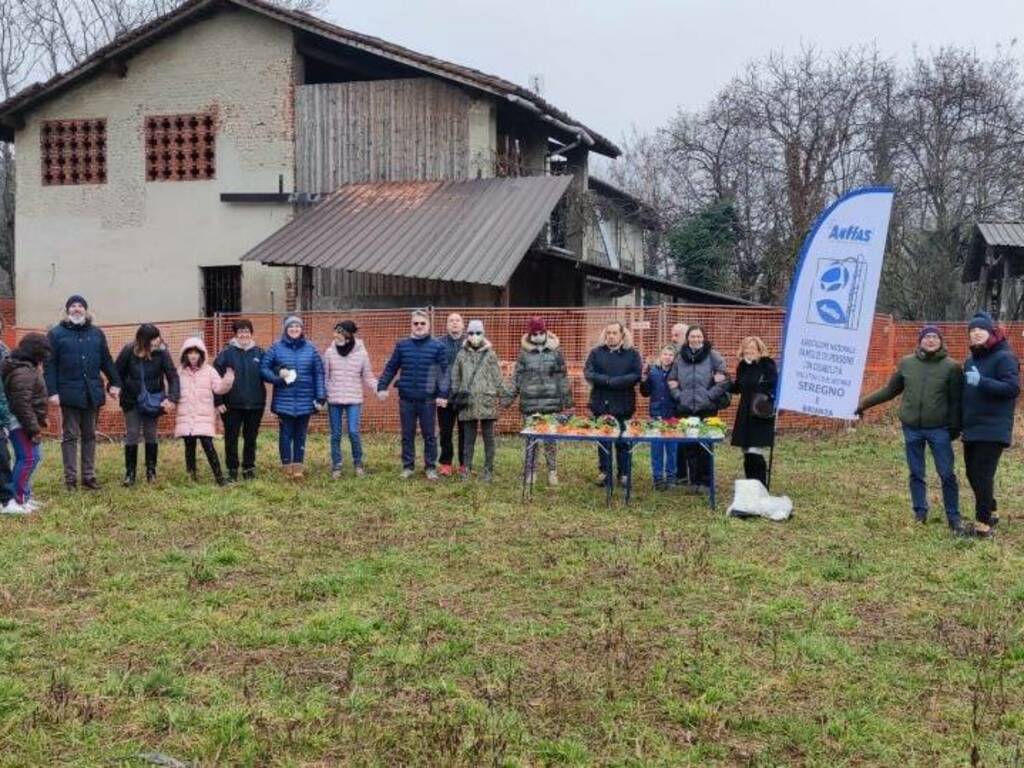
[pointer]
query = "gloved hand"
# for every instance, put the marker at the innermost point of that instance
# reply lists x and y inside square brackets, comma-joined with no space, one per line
[954,434]
[319,405]
[972,377]
[382,395]
[859,413]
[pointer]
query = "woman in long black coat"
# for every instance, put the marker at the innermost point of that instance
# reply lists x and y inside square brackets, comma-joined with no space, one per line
[756,375]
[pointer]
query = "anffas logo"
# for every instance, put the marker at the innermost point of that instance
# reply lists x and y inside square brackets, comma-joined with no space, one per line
[851,233]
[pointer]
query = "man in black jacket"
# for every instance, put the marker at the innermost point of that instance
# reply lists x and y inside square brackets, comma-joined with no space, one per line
[613,370]
[448,417]
[242,407]
[73,379]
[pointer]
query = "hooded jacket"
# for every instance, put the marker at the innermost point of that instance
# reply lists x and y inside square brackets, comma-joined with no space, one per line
[423,362]
[988,408]
[26,394]
[80,355]
[478,371]
[348,374]
[301,396]
[250,391]
[159,371]
[694,370]
[196,414]
[613,375]
[932,388]
[540,380]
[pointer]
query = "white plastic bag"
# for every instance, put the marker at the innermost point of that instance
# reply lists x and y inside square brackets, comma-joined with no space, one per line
[751,499]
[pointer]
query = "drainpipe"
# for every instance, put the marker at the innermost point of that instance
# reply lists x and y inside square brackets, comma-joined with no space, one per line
[582,137]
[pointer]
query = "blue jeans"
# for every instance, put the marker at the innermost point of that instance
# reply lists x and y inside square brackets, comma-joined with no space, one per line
[27,455]
[424,413]
[622,456]
[663,462]
[291,438]
[349,412]
[941,445]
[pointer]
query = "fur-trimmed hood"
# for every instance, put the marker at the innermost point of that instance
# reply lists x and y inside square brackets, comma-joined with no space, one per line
[552,343]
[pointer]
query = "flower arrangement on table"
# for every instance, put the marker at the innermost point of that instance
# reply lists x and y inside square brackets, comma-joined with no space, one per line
[575,426]
[712,428]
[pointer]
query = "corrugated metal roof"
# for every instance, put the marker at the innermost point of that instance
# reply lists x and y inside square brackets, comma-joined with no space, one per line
[1008,233]
[464,231]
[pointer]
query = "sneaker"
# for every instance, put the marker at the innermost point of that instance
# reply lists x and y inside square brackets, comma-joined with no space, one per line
[920,520]
[360,472]
[33,505]
[406,474]
[464,471]
[432,474]
[962,531]
[552,477]
[445,470]
[71,485]
[91,484]
[488,476]
[660,485]
[336,473]
[602,481]
[622,481]
[13,508]
[982,531]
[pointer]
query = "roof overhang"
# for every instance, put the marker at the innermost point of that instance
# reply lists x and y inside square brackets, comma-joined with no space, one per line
[117,52]
[475,231]
[657,284]
[1003,239]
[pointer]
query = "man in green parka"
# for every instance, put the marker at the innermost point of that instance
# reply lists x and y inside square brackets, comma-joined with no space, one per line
[931,384]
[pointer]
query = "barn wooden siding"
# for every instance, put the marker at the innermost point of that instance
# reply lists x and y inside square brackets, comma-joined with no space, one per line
[385,130]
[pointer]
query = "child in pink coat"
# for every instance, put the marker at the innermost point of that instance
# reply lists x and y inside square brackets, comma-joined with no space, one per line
[347,370]
[196,414]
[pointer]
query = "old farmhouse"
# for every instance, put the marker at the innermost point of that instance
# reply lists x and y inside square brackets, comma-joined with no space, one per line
[233,156]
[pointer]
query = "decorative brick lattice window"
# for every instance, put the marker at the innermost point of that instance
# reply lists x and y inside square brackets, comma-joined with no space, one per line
[73,152]
[180,147]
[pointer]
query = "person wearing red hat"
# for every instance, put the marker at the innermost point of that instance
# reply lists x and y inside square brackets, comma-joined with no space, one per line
[541,383]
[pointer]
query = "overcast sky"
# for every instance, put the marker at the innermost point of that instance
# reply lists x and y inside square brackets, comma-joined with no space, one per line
[616,63]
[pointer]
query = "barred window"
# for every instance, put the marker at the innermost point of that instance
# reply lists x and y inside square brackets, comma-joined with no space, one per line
[73,152]
[180,147]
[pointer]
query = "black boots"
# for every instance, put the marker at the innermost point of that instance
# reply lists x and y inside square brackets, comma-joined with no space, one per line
[152,450]
[131,463]
[755,467]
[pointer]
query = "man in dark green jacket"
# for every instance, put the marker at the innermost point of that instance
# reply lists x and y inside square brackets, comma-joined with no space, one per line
[931,385]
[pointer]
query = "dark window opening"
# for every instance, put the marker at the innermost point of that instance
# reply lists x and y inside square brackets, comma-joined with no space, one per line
[73,152]
[222,290]
[180,147]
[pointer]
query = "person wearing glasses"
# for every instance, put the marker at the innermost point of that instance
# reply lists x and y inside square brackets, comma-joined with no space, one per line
[422,387]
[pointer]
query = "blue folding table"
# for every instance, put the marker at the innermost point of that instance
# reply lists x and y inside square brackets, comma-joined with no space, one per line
[606,443]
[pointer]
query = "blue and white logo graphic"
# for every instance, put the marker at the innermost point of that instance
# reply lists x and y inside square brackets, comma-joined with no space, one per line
[837,293]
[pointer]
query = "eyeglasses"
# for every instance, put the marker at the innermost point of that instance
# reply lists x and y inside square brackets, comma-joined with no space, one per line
[475,333]
[419,323]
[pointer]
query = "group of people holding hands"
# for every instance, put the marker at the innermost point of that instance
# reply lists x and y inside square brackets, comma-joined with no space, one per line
[455,382]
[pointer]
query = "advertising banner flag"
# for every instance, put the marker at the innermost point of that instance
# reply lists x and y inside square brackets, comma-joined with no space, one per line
[831,306]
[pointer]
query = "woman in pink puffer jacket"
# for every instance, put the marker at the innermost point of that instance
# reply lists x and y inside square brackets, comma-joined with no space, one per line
[347,370]
[196,414]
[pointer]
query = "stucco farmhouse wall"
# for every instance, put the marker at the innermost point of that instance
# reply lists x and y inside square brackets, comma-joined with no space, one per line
[134,247]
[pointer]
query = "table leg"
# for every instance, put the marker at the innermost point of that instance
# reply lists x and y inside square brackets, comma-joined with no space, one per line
[711,490]
[629,473]
[609,478]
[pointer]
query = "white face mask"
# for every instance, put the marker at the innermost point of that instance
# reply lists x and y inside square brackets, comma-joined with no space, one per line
[538,338]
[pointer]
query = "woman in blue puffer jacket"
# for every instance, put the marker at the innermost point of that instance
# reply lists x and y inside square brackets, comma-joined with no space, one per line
[296,370]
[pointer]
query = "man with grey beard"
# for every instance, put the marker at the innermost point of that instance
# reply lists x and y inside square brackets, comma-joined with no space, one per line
[73,381]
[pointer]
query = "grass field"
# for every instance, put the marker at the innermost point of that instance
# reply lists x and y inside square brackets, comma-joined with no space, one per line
[377,622]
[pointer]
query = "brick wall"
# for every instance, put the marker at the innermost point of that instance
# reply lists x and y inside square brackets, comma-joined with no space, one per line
[577,328]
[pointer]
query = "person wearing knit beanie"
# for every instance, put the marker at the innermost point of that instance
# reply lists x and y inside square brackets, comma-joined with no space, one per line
[930,384]
[293,320]
[991,387]
[76,298]
[536,326]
